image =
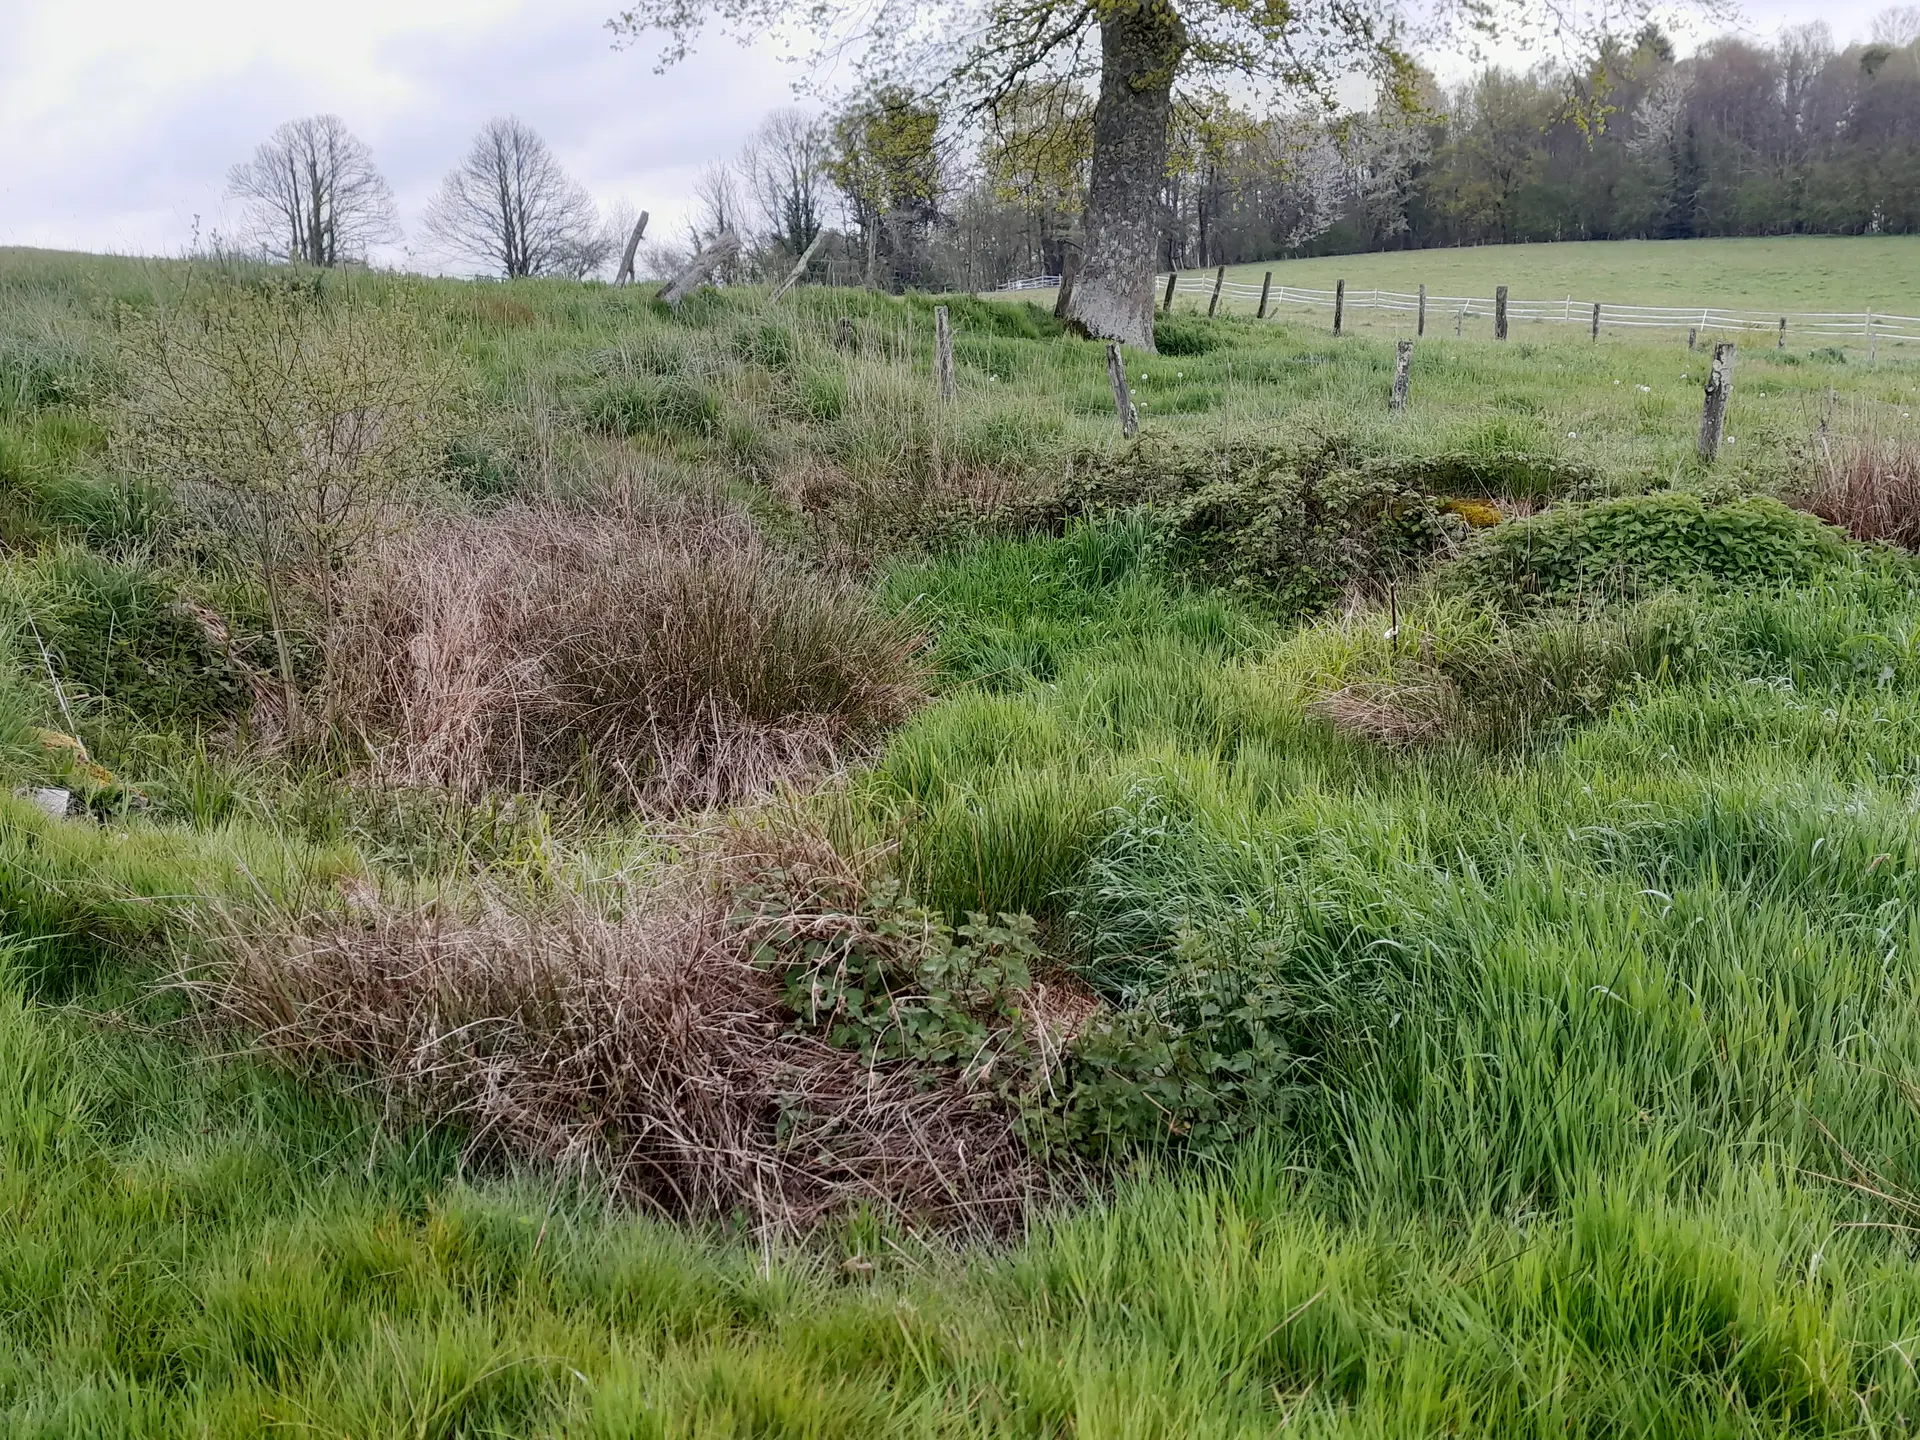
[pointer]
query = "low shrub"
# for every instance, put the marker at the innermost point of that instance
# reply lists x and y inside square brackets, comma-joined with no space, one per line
[1870,487]
[1285,531]
[1640,544]
[662,664]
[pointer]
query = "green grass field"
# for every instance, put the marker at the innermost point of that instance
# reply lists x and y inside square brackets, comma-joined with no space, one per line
[1791,272]
[1510,939]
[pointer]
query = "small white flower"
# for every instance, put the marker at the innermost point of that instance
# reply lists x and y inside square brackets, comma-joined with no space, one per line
[1179,374]
[1643,389]
[1573,434]
[1732,438]
[1617,382]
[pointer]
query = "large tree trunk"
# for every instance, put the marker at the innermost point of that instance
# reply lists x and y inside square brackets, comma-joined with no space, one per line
[1141,45]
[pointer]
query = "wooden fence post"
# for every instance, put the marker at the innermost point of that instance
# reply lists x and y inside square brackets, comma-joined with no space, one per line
[1402,374]
[1122,398]
[1499,312]
[1693,336]
[1166,304]
[723,249]
[1069,272]
[1420,325]
[624,276]
[1596,320]
[1871,337]
[1219,279]
[1339,304]
[1266,287]
[1713,411]
[800,266]
[943,351]
[1781,343]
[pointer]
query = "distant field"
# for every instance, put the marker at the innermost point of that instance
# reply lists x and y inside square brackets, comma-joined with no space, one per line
[1801,272]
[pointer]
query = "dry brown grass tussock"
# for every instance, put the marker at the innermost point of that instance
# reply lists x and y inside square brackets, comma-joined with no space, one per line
[1393,713]
[1869,485]
[668,662]
[649,1053]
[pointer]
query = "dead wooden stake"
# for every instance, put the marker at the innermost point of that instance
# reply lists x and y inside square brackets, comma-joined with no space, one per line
[1166,304]
[1069,272]
[943,351]
[800,266]
[723,249]
[1402,374]
[1266,288]
[1122,397]
[1713,412]
[1219,279]
[624,275]
[1339,304]
[1596,319]
[1499,312]
[1420,325]
[1781,343]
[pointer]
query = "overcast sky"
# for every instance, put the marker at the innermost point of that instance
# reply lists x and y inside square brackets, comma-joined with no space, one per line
[120,118]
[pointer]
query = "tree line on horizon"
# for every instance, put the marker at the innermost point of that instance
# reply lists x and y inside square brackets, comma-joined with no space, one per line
[1739,138]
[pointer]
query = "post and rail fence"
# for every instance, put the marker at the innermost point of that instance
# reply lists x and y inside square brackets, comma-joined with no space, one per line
[1347,303]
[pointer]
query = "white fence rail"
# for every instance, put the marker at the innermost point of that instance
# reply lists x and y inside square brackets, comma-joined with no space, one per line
[1867,328]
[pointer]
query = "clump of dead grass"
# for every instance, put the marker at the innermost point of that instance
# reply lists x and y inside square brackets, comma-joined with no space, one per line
[1869,485]
[1395,713]
[650,1053]
[661,661]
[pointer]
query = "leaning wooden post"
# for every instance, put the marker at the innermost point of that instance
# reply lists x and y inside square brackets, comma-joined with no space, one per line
[1713,412]
[1122,397]
[943,351]
[1402,374]
[723,249]
[624,275]
[1596,320]
[1219,279]
[1499,312]
[1781,343]
[1166,302]
[1420,325]
[1339,304]
[800,266]
[1266,288]
[1069,272]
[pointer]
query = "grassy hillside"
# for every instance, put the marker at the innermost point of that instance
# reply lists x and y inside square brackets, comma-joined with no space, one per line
[781,907]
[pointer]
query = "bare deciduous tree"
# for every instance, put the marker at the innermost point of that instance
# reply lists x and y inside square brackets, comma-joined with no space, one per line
[312,194]
[510,206]
[784,165]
